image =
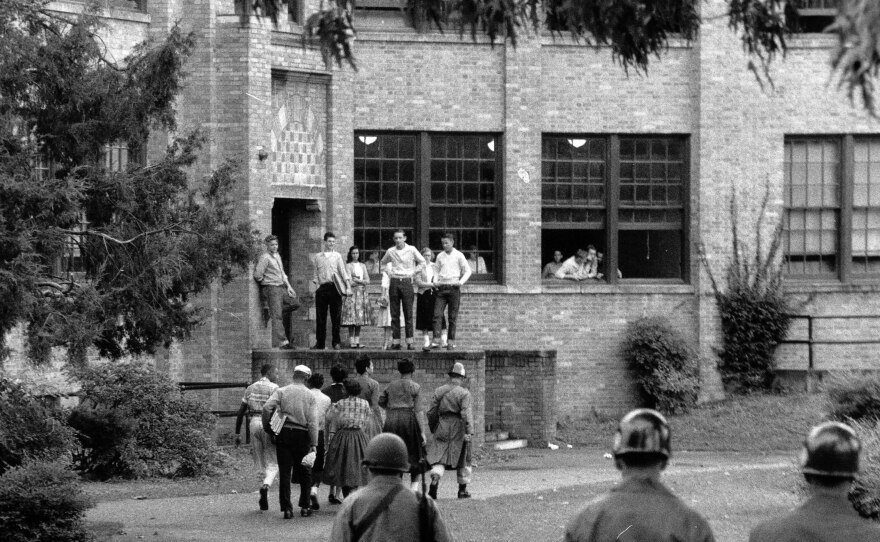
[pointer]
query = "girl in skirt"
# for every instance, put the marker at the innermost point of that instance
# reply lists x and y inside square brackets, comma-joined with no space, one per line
[356,307]
[425,306]
[346,421]
[405,417]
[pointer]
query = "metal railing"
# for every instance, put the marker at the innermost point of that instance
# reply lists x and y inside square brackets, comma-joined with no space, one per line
[810,341]
[198,386]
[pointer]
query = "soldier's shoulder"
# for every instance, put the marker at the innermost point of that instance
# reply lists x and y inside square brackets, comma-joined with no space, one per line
[579,526]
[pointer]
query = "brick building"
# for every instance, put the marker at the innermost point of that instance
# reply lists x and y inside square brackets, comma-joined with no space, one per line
[520,152]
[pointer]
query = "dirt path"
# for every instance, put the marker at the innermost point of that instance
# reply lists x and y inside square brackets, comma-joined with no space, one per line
[529,476]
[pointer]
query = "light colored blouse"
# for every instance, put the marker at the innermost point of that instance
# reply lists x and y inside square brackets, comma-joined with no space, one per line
[357,270]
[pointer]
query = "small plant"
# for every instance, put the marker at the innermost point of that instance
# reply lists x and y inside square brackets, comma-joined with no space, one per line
[30,429]
[42,501]
[664,363]
[853,396]
[159,431]
[753,308]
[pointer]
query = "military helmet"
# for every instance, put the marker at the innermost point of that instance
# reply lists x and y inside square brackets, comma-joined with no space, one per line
[387,451]
[457,369]
[642,431]
[831,449]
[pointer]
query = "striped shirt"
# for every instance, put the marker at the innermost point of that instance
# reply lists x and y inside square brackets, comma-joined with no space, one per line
[349,413]
[258,393]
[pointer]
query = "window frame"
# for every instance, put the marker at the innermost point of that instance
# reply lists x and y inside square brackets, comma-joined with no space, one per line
[844,273]
[420,230]
[612,204]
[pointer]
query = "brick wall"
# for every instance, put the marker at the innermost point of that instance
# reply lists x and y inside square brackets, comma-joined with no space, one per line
[520,394]
[431,371]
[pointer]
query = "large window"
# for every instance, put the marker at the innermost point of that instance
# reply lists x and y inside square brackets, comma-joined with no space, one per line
[625,195]
[832,207]
[810,16]
[427,184]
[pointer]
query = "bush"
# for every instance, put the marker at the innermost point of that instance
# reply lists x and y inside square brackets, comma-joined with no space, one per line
[753,308]
[42,501]
[30,429]
[161,432]
[665,365]
[853,396]
[865,493]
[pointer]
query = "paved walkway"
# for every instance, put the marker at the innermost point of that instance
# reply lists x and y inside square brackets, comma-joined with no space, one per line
[235,516]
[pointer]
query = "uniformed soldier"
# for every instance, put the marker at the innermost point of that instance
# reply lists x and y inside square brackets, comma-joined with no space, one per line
[640,508]
[450,445]
[829,462]
[383,510]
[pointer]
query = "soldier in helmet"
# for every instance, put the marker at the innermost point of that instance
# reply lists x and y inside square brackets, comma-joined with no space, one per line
[829,462]
[640,508]
[383,510]
[450,447]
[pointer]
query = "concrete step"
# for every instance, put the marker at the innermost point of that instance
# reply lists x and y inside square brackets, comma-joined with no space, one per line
[492,436]
[511,444]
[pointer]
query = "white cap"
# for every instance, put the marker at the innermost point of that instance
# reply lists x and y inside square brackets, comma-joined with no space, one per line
[302,369]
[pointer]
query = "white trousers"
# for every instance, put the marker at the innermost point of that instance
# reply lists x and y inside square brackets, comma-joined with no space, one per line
[464,473]
[265,458]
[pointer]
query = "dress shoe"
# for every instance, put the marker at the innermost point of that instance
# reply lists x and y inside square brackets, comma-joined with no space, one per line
[287,346]
[333,500]
[264,498]
[288,513]
[337,347]
[463,492]
[304,512]
[432,489]
[316,347]
[396,347]
[313,502]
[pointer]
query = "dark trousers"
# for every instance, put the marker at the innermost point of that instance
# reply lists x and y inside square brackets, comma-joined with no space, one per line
[446,295]
[291,446]
[401,291]
[272,297]
[327,297]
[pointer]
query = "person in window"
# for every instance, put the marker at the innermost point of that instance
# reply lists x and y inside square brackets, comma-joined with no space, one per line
[476,262]
[575,268]
[372,263]
[600,267]
[425,303]
[551,268]
[356,307]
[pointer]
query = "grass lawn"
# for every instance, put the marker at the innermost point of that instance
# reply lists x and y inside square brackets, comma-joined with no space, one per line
[754,423]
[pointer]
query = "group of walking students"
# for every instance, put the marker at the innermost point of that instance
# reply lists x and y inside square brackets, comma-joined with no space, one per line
[294,422]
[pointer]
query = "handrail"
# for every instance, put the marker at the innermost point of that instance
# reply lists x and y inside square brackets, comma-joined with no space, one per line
[810,341]
[186,386]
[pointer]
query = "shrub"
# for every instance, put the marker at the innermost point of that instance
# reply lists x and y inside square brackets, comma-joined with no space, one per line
[42,501]
[853,395]
[865,493]
[753,308]
[664,363]
[162,433]
[30,429]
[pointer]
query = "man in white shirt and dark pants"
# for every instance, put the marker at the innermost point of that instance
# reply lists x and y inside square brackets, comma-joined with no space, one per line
[270,274]
[406,261]
[453,272]
[328,263]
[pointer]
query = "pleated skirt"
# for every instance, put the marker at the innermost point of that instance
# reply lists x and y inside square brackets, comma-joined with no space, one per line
[343,464]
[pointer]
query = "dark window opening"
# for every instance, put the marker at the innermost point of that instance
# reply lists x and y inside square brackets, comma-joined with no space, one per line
[810,16]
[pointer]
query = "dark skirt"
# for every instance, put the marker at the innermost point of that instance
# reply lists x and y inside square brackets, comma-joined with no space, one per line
[425,312]
[403,423]
[343,465]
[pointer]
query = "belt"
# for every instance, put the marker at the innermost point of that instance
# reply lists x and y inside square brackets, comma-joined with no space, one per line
[449,286]
[291,425]
[402,278]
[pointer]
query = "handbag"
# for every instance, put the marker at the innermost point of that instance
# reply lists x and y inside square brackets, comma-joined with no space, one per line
[341,285]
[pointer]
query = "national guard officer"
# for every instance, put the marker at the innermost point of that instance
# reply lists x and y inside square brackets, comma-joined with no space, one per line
[640,508]
[383,510]
[450,445]
[829,462]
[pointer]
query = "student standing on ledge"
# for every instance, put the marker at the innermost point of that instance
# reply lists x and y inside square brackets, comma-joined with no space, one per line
[453,272]
[270,274]
[405,262]
[328,263]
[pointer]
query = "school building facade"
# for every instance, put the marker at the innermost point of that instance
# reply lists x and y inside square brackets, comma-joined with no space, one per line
[522,151]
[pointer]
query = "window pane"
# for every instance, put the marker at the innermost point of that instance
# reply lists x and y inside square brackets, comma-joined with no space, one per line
[866,207]
[574,175]
[650,254]
[812,203]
